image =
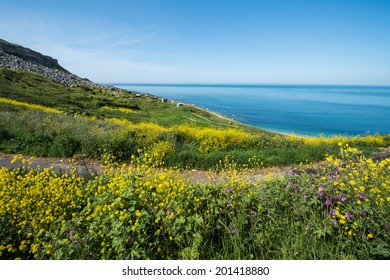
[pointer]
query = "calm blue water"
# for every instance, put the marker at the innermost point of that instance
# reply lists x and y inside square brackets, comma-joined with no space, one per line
[304,110]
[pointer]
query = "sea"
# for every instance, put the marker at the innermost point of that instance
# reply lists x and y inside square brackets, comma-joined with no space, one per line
[310,110]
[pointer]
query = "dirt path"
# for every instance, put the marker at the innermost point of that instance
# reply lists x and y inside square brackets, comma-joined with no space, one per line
[59,165]
[88,167]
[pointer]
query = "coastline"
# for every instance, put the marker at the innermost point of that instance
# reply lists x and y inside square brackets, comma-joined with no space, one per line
[300,111]
[218,115]
[221,116]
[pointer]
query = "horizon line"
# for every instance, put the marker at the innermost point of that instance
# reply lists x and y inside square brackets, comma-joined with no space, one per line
[242,84]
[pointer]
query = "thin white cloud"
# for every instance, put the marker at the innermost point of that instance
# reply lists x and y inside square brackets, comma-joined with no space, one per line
[108,35]
[136,40]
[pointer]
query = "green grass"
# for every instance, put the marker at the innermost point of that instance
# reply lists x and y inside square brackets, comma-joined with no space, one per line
[140,212]
[82,99]
[227,217]
[83,131]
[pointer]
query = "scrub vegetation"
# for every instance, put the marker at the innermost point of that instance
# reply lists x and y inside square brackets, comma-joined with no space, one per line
[138,211]
[141,206]
[39,117]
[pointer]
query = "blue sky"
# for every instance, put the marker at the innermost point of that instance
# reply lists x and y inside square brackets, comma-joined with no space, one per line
[208,41]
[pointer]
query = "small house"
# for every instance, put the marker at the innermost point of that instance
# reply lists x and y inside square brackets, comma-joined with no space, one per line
[179,104]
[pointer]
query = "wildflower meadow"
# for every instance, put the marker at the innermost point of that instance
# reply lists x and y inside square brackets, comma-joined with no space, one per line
[337,210]
[142,205]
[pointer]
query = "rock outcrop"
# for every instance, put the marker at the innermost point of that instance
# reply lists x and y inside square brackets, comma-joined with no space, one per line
[16,57]
[30,55]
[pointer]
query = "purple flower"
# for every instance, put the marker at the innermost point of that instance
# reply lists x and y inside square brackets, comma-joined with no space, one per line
[386,227]
[293,172]
[348,215]
[126,258]
[362,196]
[288,185]
[327,202]
[228,190]
[168,213]
[308,225]
[130,241]
[332,212]
[233,230]
[70,235]
[321,194]
[229,203]
[334,223]
[304,196]
[343,198]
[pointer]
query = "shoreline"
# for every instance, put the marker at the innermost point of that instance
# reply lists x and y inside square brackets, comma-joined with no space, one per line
[233,120]
[221,116]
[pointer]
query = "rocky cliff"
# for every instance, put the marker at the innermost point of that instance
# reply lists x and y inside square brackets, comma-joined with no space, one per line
[30,55]
[16,57]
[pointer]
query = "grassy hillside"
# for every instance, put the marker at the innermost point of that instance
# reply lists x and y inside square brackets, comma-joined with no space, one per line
[99,102]
[43,118]
[339,210]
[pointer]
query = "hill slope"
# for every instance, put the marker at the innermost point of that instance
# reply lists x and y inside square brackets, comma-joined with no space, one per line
[16,57]
[49,84]
[30,55]
[42,116]
[103,102]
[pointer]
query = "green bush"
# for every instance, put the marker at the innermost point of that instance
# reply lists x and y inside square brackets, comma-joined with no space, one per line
[64,146]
